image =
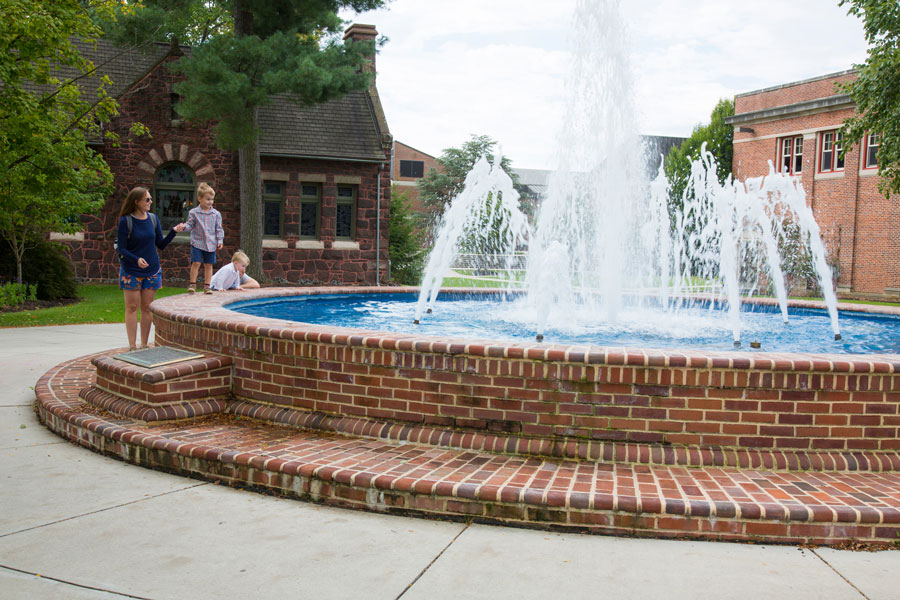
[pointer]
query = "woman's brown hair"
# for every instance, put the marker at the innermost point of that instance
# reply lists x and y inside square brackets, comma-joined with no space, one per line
[134,196]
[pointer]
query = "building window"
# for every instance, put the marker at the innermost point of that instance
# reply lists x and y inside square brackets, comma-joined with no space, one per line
[345,222]
[870,160]
[174,99]
[173,191]
[830,158]
[273,208]
[310,203]
[412,168]
[791,150]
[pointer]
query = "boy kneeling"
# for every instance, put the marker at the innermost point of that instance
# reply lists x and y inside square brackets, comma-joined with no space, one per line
[232,275]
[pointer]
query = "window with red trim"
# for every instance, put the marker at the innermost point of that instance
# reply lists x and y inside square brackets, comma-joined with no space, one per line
[830,145]
[790,150]
[870,153]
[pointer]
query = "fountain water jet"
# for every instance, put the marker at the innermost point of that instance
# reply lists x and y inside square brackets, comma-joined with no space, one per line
[486,215]
[606,239]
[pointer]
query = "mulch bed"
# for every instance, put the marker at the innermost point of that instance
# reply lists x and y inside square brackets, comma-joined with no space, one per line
[36,304]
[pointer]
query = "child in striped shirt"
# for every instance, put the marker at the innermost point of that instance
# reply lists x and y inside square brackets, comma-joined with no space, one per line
[205,224]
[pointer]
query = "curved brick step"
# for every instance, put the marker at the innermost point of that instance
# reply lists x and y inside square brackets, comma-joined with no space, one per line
[390,476]
[149,414]
[593,450]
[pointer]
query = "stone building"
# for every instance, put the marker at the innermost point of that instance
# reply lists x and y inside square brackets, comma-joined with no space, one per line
[325,176]
[795,126]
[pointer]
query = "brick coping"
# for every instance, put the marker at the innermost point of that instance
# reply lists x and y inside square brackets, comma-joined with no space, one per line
[185,309]
[162,373]
[391,476]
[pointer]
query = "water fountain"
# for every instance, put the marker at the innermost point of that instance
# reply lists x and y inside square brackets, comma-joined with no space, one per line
[625,437]
[486,215]
[607,240]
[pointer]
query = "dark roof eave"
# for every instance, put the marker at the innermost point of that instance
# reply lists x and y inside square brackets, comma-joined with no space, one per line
[791,110]
[367,159]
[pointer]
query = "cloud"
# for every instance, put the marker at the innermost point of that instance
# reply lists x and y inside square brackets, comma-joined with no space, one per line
[455,68]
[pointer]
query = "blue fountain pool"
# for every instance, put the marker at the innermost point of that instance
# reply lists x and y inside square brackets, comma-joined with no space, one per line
[492,317]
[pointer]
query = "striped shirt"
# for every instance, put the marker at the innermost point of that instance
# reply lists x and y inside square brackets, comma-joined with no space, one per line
[206,228]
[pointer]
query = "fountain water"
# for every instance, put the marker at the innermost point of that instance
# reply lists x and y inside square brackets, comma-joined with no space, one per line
[608,244]
[485,216]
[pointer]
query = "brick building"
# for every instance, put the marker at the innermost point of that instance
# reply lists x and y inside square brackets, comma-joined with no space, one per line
[325,176]
[796,127]
[409,166]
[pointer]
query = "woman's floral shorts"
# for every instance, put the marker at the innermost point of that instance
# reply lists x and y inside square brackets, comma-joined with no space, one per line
[130,282]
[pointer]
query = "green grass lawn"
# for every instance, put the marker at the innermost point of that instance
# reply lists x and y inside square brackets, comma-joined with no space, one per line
[466,282]
[98,304]
[840,301]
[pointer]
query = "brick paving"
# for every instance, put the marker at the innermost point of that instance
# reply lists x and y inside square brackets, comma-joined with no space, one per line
[392,475]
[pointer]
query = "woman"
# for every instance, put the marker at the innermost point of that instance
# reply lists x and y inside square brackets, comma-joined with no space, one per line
[140,274]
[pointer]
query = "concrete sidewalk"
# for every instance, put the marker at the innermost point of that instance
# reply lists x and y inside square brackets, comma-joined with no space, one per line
[74,524]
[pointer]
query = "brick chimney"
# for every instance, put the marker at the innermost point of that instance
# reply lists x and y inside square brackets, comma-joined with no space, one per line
[359,32]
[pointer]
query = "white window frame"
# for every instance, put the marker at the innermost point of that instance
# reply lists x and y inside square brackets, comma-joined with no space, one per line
[872,140]
[790,148]
[831,142]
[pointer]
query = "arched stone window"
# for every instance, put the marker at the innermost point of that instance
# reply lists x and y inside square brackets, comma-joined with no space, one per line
[174,188]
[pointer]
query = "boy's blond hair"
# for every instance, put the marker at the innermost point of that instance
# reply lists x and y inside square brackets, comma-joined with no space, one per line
[203,189]
[240,256]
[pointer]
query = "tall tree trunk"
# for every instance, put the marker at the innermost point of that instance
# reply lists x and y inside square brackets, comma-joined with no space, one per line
[18,251]
[251,207]
[248,164]
[20,256]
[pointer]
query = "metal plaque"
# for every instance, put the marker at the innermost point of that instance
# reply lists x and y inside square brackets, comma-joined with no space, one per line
[156,357]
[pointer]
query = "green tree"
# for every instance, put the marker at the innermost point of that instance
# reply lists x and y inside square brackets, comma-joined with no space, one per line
[441,185]
[405,242]
[48,174]
[876,90]
[247,52]
[719,139]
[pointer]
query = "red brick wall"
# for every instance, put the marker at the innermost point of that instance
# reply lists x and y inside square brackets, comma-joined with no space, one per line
[545,395]
[135,161]
[404,152]
[860,227]
[791,93]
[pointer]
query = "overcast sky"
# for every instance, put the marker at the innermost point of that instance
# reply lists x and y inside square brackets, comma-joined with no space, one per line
[452,68]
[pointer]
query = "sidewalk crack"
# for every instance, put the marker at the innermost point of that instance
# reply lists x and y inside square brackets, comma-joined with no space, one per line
[34,445]
[434,560]
[100,510]
[839,574]
[72,583]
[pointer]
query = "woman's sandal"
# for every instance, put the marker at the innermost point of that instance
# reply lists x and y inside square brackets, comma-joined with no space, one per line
[192,288]
[206,289]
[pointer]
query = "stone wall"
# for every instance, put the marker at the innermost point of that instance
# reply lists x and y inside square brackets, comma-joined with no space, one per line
[135,162]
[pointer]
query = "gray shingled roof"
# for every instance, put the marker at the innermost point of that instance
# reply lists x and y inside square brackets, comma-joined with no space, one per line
[123,66]
[344,128]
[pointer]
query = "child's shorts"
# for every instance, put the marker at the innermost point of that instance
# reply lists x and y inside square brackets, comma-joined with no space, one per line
[130,282]
[202,256]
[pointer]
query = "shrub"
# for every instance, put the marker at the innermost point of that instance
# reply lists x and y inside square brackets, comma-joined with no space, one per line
[14,294]
[45,266]
[405,244]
